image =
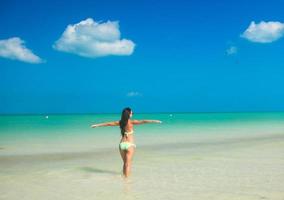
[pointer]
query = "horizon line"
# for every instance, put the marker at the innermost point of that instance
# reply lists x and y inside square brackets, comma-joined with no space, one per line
[160,112]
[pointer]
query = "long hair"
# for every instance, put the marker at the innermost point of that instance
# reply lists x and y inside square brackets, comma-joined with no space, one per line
[125,115]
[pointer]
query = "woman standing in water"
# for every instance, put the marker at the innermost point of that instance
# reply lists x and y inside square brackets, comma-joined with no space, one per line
[126,145]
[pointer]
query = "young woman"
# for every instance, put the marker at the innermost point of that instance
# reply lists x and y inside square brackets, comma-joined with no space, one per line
[126,145]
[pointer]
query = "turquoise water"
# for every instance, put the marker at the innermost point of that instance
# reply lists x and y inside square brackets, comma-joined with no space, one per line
[80,124]
[189,156]
[33,133]
[9,122]
[64,124]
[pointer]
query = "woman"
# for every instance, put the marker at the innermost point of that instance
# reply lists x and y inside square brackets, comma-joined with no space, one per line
[126,145]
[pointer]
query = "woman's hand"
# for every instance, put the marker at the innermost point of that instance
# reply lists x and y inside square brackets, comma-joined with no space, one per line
[94,126]
[157,121]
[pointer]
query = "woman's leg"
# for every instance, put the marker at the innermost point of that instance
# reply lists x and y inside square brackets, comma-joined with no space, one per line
[128,159]
[123,157]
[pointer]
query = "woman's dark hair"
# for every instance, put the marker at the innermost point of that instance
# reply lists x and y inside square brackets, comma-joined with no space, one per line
[125,115]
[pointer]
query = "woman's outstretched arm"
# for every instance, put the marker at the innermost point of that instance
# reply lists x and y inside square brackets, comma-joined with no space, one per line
[145,121]
[116,123]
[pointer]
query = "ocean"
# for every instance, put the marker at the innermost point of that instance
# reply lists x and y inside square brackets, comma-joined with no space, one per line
[188,156]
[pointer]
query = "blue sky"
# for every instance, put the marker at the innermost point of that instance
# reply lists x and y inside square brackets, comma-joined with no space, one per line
[154,56]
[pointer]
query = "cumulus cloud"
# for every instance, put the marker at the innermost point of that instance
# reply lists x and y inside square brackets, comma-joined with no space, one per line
[264,32]
[232,50]
[94,39]
[134,94]
[14,48]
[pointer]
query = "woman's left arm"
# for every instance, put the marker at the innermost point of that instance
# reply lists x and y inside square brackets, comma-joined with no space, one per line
[116,123]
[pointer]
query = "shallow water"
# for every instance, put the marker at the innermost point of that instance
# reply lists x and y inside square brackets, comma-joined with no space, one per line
[188,156]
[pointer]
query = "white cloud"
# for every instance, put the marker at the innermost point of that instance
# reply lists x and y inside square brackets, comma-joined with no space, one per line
[264,32]
[134,94]
[14,48]
[232,50]
[94,39]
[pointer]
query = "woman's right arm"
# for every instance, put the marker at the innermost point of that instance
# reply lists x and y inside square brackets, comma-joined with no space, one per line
[145,121]
[116,123]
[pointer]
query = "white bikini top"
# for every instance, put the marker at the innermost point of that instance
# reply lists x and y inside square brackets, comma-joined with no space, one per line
[128,133]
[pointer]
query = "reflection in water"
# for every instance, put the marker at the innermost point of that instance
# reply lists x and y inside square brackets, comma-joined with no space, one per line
[127,188]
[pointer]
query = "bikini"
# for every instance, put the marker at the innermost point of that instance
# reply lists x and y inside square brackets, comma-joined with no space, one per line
[127,145]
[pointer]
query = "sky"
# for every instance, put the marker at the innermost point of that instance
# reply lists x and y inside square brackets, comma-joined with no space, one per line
[94,56]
